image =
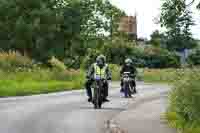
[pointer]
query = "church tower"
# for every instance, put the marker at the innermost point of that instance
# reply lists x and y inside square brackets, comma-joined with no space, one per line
[128,25]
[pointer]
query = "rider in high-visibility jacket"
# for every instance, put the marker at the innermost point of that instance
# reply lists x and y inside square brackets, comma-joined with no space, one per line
[98,68]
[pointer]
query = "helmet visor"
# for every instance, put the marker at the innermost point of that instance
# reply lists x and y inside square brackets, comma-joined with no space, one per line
[100,62]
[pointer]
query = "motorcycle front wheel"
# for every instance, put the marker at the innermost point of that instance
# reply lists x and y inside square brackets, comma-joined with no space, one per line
[127,90]
[97,98]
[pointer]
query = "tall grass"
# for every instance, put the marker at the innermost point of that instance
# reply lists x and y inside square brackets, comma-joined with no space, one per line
[164,75]
[115,70]
[36,82]
[184,99]
[184,107]
[20,76]
[12,60]
[15,88]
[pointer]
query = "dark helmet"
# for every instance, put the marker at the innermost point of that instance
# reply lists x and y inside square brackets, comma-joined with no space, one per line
[101,60]
[128,62]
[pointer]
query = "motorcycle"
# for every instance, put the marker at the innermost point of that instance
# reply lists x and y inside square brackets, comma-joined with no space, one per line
[128,90]
[98,92]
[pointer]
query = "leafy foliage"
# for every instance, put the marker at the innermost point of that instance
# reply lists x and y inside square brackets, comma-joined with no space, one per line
[9,61]
[194,58]
[118,50]
[21,76]
[185,103]
[160,58]
[158,39]
[57,64]
[177,19]
[184,98]
[60,28]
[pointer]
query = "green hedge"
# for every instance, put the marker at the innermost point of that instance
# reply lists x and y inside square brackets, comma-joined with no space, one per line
[117,50]
[160,58]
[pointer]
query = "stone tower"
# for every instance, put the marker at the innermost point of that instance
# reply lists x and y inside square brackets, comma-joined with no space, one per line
[128,24]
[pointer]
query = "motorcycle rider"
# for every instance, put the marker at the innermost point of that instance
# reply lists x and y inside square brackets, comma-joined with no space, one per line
[129,67]
[99,67]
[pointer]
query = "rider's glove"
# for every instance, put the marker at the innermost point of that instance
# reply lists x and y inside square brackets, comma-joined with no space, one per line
[109,78]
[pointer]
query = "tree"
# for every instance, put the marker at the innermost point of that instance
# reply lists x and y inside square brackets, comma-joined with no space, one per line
[190,2]
[32,27]
[100,17]
[198,6]
[61,28]
[95,20]
[177,19]
[118,50]
[157,39]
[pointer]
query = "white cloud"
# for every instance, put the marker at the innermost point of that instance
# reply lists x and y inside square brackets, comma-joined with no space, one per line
[147,11]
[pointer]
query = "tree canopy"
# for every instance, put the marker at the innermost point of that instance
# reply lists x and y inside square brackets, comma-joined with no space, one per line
[177,19]
[61,28]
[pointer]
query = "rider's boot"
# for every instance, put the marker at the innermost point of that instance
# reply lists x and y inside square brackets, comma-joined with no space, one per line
[90,99]
[106,100]
[121,90]
[135,90]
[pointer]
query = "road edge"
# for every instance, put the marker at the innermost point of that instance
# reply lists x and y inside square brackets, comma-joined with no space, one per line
[113,126]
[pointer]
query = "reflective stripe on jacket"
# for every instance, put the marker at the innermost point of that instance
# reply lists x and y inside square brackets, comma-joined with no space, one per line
[100,72]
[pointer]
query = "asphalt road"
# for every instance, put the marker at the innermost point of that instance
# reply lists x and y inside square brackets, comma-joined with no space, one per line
[69,112]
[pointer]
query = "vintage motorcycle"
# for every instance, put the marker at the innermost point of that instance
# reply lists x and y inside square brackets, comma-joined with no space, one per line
[127,87]
[98,91]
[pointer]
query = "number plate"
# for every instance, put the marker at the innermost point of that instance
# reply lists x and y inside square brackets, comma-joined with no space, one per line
[97,77]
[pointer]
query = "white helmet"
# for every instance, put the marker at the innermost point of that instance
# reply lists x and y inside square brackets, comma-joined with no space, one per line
[128,62]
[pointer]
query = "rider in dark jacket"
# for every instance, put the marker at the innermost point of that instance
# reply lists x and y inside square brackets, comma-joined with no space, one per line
[129,67]
[101,64]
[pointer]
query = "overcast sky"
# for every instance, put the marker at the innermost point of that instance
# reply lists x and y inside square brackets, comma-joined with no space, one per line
[147,11]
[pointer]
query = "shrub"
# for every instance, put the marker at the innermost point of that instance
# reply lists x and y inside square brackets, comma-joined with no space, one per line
[160,58]
[57,64]
[169,75]
[152,57]
[194,58]
[90,58]
[159,75]
[13,59]
[117,50]
[184,99]
[115,69]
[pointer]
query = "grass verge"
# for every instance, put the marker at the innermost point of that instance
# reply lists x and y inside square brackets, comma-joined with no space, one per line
[21,83]
[184,99]
[16,88]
